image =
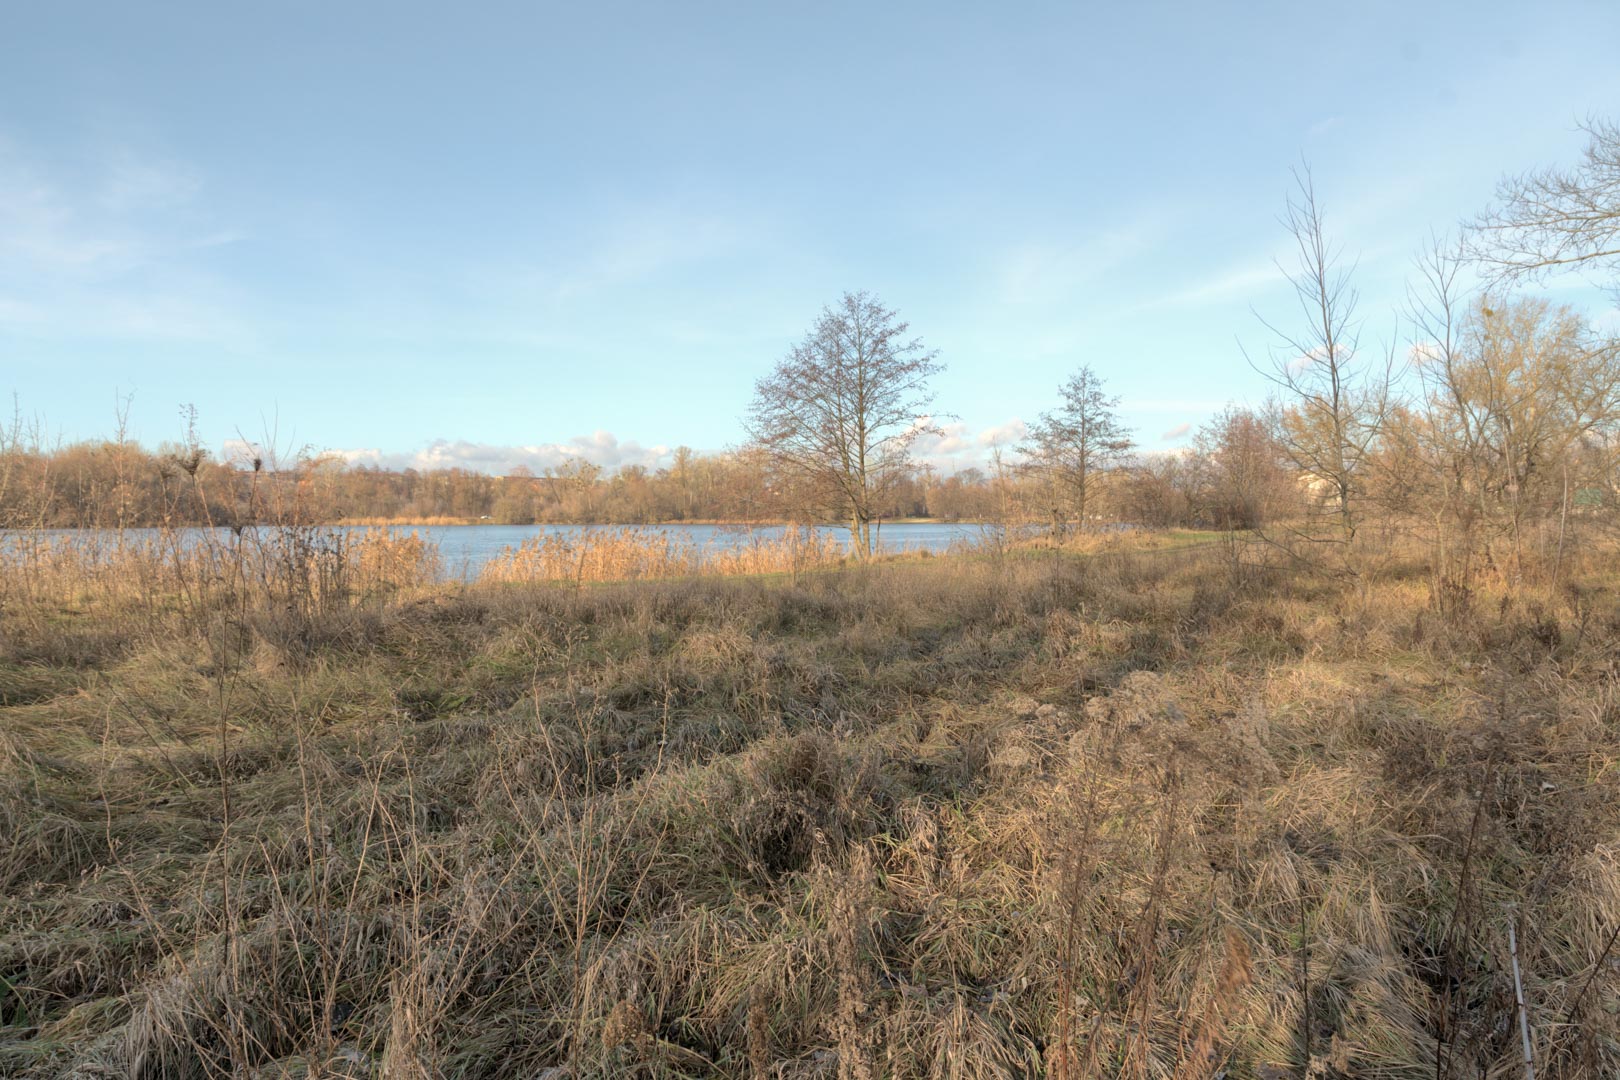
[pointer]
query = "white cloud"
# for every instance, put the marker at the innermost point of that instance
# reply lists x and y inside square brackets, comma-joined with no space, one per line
[956,446]
[1423,354]
[949,439]
[1319,354]
[1011,433]
[599,448]
[1180,431]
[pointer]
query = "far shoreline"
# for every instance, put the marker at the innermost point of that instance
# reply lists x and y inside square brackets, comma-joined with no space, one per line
[461,522]
[439,522]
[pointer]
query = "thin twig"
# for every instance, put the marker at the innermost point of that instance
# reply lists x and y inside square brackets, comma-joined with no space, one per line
[1524,1014]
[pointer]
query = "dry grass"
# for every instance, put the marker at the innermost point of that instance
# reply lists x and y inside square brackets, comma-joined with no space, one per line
[1155,815]
[145,570]
[637,553]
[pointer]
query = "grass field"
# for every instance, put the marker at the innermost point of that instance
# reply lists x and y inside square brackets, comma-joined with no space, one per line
[1141,813]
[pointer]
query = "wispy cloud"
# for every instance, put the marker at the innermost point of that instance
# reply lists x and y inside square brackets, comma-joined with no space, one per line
[655,239]
[1047,270]
[131,181]
[1171,405]
[100,249]
[1239,281]
[43,234]
[622,246]
[1180,431]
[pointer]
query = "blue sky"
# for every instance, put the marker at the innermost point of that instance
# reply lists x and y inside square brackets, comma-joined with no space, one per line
[491,233]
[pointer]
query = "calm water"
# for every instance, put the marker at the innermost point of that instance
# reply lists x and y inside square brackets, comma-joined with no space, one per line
[464,549]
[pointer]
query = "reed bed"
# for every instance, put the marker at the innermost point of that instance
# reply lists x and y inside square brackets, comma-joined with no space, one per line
[150,571]
[636,553]
[424,520]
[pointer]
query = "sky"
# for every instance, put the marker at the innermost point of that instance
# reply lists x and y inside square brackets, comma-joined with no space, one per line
[490,234]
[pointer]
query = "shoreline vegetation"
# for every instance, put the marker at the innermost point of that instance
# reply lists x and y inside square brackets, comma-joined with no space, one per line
[1149,804]
[758,523]
[432,522]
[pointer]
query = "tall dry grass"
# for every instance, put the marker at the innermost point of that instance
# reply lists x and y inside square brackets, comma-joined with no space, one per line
[145,574]
[635,553]
[1176,814]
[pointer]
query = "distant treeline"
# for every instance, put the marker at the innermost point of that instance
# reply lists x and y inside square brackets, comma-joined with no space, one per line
[114,484]
[1233,476]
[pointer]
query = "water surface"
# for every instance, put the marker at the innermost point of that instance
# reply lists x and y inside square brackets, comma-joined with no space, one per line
[465,549]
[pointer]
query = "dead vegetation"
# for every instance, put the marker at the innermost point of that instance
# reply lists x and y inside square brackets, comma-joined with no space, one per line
[633,553]
[1164,814]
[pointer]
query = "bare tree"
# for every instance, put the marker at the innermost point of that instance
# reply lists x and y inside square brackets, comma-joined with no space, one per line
[1159,488]
[572,485]
[1552,220]
[1238,479]
[1334,397]
[1519,399]
[1529,385]
[840,412]
[1433,448]
[1069,446]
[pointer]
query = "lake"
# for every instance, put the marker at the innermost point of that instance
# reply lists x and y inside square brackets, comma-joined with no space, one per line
[464,549]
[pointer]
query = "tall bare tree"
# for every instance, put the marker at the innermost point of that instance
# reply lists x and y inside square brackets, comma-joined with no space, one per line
[1554,220]
[1069,446]
[1334,397]
[840,412]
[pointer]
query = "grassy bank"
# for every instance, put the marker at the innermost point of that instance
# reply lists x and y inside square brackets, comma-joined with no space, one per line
[1140,814]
